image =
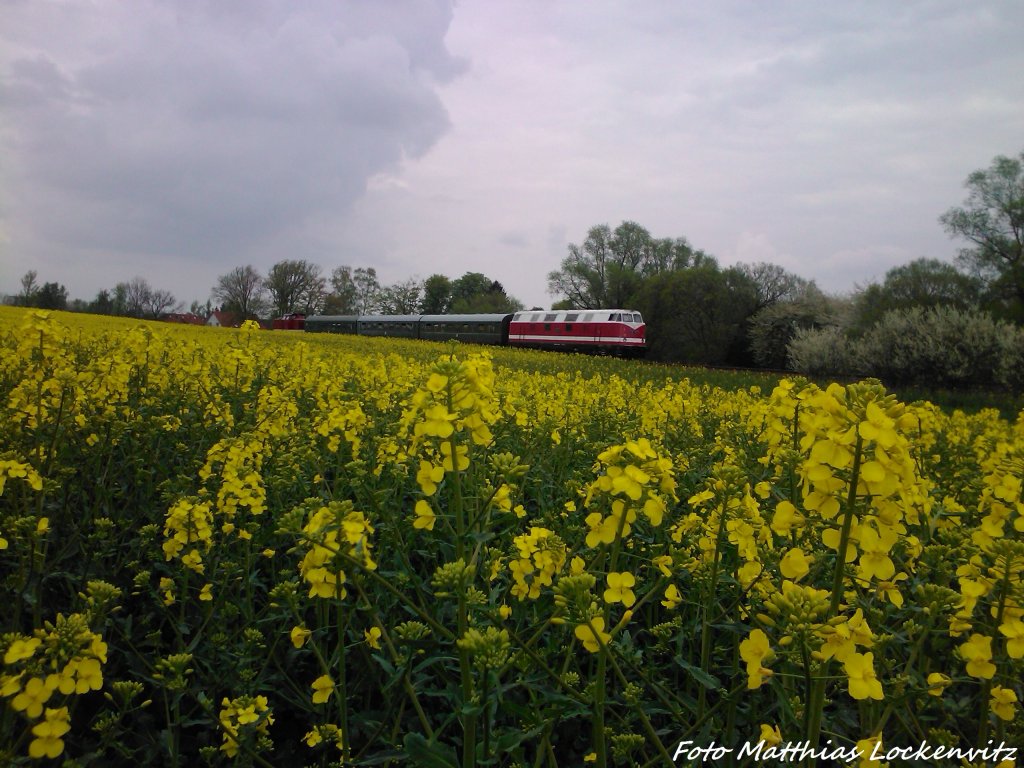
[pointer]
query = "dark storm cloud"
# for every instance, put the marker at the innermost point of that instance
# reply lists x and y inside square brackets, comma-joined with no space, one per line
[203,131]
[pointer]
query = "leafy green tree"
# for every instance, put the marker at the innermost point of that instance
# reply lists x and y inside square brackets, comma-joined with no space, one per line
[367,288]
[595,274]
[342,298]
[992,220]
[773,327]
[608,268]
[353,292]
[103,304]
[697,315]
[51,296]
[475,293]
[437,295]
[920,283]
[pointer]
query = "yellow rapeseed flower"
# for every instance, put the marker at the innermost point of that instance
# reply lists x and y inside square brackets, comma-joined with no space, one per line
[860,672]
[672,597]
[620,589]
[48,741]
[938,682]
[588,636]
[299,635]
[756,650]
[322,687]
[1002,702]
[372,637]
[795,564]
[425,517]
[977,652]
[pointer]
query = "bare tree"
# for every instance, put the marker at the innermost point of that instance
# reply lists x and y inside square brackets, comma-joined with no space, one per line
[295,286]
[135,297]
[29,288]
[773,283]
[401,298]
[367,293]
[159,303]
[242,291]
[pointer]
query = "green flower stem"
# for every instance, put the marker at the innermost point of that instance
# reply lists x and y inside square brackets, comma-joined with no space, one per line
[341,686]
[599,693]
[706,603]
[986,689]
[816,703]
[406,684]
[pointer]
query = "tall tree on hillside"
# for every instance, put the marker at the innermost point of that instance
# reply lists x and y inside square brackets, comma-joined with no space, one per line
[295,285]
[992,220]
[103,304]
[241,291]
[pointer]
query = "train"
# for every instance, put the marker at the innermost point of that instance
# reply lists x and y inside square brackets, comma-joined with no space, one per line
[620,332]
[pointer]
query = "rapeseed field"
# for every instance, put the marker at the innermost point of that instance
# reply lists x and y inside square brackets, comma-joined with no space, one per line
[238,547]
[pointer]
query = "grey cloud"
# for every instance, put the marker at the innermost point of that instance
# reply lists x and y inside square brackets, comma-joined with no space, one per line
[514,239]
[203,130]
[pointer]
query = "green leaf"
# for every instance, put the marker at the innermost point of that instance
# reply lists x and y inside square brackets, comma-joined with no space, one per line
[421,752]
[708,681]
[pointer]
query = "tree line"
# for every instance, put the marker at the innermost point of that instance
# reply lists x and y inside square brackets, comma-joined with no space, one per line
[298,286]
[928,319]
[927,322]
[290,287]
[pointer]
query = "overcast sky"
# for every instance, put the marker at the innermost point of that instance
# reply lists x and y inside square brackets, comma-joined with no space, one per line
[175,140]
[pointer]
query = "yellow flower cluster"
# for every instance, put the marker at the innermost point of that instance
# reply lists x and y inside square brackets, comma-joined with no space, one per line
[335,537]
[64,658]
[540,556]
[631,478]
[244,719]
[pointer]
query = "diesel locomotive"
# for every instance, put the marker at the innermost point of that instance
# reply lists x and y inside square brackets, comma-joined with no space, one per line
[598,331]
